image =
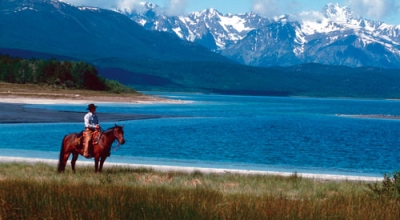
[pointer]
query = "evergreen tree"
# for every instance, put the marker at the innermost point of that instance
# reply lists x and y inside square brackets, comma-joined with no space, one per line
[67,74]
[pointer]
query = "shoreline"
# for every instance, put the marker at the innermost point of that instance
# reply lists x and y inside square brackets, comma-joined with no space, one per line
[168,168]
[44,94]
[14,110]
[144,99]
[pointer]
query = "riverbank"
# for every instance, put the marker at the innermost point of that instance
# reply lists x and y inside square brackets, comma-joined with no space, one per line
[166,169]
[15,110]
[44,94]
[15,97]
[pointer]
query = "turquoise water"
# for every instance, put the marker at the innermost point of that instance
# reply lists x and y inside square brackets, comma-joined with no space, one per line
[241,132]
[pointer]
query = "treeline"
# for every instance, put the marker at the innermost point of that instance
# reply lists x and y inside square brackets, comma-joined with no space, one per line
[65,74]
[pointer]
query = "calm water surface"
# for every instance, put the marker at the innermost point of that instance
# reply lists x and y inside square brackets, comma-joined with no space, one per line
[241,132]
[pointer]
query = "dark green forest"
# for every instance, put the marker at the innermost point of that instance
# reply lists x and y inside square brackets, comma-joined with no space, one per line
[65,74]
[313,80]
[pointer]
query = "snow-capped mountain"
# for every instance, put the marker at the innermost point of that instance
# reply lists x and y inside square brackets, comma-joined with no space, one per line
[208,27]
[123,50]
[332,36]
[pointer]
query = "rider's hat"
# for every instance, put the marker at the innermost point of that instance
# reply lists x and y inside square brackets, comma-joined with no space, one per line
[90,106]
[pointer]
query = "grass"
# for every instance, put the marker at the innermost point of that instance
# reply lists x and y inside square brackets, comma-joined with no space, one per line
[37,191]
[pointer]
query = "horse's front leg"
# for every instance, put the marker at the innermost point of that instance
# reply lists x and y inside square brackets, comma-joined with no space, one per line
[102,160]
[63,162]
[73,161]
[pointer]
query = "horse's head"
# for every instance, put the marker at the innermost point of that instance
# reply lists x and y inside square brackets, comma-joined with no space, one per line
[119,133]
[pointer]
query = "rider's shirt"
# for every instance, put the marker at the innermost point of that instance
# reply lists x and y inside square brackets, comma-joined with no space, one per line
[91,121]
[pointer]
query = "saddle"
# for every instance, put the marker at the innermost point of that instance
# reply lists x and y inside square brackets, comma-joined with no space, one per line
[81,136]
[95,137]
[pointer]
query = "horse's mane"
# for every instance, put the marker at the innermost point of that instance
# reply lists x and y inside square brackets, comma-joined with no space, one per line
[110,129]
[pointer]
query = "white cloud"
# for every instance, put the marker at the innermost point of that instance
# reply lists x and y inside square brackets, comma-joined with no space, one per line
[129,5]
[269,8]
[308,16]
[173,7]
[273,8]
[374,9]
[176,7]
[97,3]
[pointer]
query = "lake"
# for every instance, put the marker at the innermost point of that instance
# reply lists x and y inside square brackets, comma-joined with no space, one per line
[289,134]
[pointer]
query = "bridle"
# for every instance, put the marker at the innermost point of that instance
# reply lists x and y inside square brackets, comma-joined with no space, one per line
[116,137]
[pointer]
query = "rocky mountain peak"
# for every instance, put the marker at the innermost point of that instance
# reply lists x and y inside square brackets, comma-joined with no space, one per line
[335,12]
[309,36]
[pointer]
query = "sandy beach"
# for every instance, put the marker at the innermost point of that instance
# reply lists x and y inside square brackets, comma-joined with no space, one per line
[13,110]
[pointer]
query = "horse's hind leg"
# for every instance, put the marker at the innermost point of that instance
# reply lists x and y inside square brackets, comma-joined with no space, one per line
[73,161]
[102,160]
[96,164]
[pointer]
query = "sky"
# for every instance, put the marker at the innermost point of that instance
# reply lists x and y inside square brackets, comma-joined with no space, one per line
[387,11]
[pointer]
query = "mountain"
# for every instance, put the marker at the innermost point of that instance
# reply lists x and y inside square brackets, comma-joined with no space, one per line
[333,36]
[123,50]
[208,27]
[88,33]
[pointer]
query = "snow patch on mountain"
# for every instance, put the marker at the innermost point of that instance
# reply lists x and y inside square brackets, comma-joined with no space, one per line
[309,36]
[83,8]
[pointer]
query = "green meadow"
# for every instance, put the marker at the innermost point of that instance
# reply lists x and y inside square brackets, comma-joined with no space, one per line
[37,191]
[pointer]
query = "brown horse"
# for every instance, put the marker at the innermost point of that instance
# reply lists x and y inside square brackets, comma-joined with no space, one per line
[72,143]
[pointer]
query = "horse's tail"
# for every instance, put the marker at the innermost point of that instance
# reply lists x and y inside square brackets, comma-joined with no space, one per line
[61,162]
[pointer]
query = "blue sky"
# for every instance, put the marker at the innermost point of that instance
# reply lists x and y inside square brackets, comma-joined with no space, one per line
[381,10]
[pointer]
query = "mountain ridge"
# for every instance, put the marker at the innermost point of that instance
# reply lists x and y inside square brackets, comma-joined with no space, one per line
[312,36]
[123,50]
[88,33]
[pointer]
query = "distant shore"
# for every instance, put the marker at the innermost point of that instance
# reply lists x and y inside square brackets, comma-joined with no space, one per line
[13,109]
[44,94]
[376,116]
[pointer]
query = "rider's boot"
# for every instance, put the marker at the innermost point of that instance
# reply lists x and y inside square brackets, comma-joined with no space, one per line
[87,137]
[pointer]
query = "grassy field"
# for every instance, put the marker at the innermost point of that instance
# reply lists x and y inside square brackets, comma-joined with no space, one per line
[37,191]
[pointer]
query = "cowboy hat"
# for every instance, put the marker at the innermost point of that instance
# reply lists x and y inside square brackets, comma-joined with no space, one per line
[90,106]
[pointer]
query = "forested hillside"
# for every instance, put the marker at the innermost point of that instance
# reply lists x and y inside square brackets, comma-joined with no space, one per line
[66,74]
[314,80]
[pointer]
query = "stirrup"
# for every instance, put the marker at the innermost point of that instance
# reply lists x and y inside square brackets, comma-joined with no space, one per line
[88,156]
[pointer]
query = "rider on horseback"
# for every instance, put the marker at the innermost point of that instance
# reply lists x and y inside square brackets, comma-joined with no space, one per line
[92,129]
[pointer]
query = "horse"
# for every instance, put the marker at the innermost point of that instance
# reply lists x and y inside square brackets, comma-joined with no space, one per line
[72,144]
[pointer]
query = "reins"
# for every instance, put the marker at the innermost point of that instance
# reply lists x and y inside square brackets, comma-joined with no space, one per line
[118,144]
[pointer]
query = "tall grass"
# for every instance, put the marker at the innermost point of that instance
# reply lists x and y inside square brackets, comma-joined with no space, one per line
[38,192]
